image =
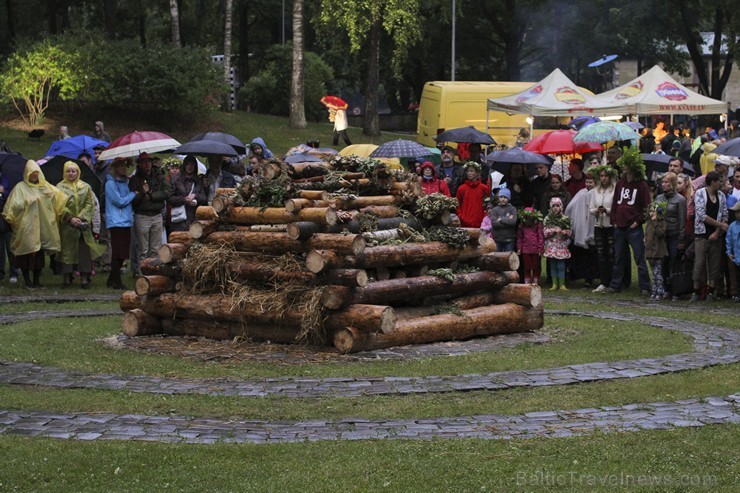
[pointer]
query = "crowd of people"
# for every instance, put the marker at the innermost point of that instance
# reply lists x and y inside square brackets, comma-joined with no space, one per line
[676,230]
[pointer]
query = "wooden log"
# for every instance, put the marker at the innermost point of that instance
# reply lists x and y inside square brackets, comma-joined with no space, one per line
[304,229]
[314,194]
[384,211]
[496,261]
[383,235]
[278,243]
[476,236]
[221,203]
[224,330]
[382,292]
[334,297]
[278,215]
[344,277]
[224,191]
[399,274]
[528,295]
[180,237]
[201,229]
[309,168]
[482,321]
[395,256]
[367,318]
[367,201]
[267,228]
[206,213]
[382,273]
[294,205]
[268,170]
[129,300]
[139,323]
[155,267]
[154,285]
[172,252]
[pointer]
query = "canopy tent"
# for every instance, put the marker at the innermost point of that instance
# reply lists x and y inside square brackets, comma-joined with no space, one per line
[555,95]
[657,93]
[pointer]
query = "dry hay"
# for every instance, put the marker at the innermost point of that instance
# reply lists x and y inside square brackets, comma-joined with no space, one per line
[204,268]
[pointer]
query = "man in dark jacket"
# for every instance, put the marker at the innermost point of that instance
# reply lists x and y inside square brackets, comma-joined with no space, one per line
[148,206]
[631,199]
[453,174]
[539,184]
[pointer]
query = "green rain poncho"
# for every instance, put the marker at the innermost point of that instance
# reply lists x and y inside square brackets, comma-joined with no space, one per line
[33,211]
[80,203]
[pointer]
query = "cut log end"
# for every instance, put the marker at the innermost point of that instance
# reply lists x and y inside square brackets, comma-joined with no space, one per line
[139,323]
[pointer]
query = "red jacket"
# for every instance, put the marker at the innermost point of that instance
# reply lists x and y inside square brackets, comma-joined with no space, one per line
[530,238]
[470,196]
[434,185]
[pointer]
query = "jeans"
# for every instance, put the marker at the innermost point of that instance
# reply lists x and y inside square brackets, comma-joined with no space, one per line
[604,238]
[505,246]
[5,248]
[634,238]
[148,232]
[671,261]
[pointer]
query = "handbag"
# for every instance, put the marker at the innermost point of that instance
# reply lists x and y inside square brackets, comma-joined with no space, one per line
[178,213]
[681,281]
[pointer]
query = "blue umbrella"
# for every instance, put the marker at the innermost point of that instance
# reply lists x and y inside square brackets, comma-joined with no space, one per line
[224,138]
[302,157]
[579,122]
[401,148]
[206,148]
[465,134]
[635,125]
[602,132]
[74,146]
[12,166]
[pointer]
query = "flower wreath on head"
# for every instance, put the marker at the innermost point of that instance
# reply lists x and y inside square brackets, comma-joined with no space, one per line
[658,206]
[472,164]
[596,171]
[529,215]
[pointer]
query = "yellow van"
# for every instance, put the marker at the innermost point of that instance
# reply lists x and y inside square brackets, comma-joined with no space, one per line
[446,104]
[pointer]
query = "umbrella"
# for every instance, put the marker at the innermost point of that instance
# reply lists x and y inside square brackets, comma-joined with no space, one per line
[206,148]
[659,163]
[362,150]
[334,102]
[302,157]
[12,166]
[582,121]
[635,125]
[224,138]
[560,142]
[501,161]
[465,134]
[54,172]
[606,131]
[74,146]
[729,148]
[133,144]
[401,148]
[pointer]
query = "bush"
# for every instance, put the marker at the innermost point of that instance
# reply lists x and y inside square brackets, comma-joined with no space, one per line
[269,91]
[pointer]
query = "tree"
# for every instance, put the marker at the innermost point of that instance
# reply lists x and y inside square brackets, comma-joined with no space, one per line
[363,21]
[297,104]
[175,23]
[227,53]
[33,77]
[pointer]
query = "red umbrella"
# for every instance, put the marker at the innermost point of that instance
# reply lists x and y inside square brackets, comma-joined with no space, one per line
[334,102]
[133,144]
[560,142]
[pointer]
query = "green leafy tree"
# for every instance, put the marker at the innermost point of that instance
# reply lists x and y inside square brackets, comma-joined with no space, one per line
[363,21]
[31,78]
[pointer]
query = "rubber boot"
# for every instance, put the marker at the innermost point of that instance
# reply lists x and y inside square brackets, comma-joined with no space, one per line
[37,279]
[561,284]
[85,279]
[27,279]
[555,284]
[66,281]
[527,280]
[115,266]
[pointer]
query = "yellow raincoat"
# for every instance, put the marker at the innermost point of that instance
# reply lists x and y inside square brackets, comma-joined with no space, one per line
[80,203]
[33,211]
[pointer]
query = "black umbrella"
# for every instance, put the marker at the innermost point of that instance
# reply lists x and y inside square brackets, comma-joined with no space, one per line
[224,138]
[465,134]
[302,157]
[501,161]
[206,148]
[729,148]
[53,170]
[658,163]
[12,166]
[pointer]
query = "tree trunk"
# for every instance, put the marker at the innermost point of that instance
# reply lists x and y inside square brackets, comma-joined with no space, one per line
[367,318]
[395,256]
[278,215]
[371,125]
[354,202]
[305,229]
[261,272]
[227,54]
[172,252]
[201,229]
[153,285]
[139,323]
[175,24]
[482,321]
[297,98]
[221,330]
[278,243]
[155,267]
[496,261]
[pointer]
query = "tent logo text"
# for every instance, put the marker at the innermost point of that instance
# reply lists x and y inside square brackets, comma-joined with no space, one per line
[568,95]
[671,91]
[529,94]
[630,91]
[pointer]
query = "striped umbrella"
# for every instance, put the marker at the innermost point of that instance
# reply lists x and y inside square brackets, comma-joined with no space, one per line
[133,144]
[401,148]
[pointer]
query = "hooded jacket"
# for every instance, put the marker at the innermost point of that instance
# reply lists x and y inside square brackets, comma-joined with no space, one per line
[433,184]
[33,211]
[631,200]
[267,153]
[119,211]
[102,134]
[470,196]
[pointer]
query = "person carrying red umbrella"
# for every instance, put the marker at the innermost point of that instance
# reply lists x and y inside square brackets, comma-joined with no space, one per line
[337,114]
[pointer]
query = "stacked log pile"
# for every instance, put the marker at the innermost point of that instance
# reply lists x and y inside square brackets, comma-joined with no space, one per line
[339,263]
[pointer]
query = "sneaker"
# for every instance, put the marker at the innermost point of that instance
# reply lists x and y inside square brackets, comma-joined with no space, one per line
[694,298]
[609,290]
[600,289]
[13,279]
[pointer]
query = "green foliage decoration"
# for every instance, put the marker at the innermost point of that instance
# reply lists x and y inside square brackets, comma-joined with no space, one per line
[433,205]
[632,159]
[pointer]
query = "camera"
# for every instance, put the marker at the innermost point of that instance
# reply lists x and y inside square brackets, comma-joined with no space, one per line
[84,226]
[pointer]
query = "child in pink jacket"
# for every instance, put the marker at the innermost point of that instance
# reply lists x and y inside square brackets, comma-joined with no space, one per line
[529,243]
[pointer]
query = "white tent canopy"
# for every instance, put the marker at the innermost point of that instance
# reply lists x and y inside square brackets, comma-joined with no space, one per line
[657,93]
[555,95]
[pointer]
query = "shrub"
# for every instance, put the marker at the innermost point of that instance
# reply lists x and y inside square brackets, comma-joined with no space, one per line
[269,91]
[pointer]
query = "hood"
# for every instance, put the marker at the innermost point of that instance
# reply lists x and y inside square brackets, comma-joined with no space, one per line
[73,184]
[32,166]
[100,124]
[425,165]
